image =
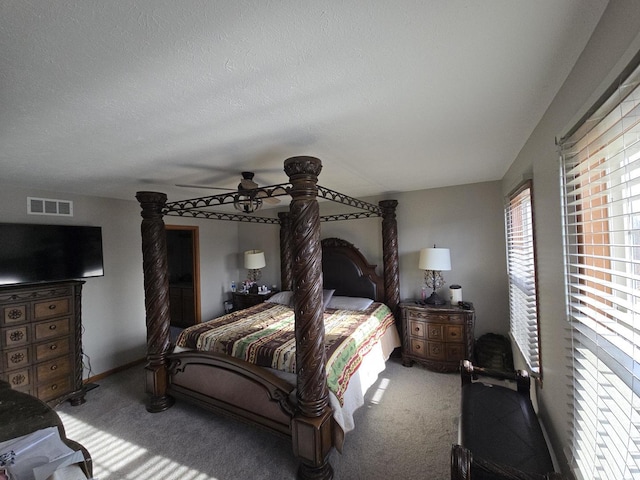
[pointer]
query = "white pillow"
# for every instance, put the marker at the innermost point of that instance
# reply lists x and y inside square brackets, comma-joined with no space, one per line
[283,298]
[349,303]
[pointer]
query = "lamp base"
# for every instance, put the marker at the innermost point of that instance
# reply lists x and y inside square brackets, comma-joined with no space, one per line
[435,299]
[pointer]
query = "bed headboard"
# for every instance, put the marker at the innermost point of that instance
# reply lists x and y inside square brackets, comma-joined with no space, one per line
[346,270]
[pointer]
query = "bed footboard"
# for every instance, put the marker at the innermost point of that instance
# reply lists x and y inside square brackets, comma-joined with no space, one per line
[234,388]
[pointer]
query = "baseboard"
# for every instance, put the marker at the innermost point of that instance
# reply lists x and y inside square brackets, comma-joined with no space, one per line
[103,375]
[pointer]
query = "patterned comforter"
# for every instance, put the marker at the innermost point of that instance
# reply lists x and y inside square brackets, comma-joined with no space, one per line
[264,335]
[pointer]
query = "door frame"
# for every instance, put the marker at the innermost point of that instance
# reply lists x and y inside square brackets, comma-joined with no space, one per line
[195,235]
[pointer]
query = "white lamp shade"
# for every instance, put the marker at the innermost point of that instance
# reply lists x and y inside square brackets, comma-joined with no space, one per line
[254,259]
[434,259]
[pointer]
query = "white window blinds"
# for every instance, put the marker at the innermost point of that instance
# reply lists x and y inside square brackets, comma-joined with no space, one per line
[601,180]
[522,275]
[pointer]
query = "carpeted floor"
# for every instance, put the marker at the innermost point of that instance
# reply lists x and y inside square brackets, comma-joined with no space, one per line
[404,430]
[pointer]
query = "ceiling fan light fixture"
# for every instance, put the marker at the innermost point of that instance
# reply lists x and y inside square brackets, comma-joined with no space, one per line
[247,204]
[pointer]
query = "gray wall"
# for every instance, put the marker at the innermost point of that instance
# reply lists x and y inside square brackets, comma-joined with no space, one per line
[467,219]
[610,48]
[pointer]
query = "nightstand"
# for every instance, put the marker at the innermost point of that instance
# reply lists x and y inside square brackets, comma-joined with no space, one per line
[437,337]
[242,300]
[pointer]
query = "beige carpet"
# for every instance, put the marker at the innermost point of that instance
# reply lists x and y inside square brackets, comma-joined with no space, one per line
[404,430]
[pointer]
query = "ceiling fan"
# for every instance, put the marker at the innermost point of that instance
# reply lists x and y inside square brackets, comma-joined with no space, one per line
[247,200]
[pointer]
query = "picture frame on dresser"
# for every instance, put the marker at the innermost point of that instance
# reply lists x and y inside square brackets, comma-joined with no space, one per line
[437,336]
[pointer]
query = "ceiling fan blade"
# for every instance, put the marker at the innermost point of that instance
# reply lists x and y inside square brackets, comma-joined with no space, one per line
[247,184]
[205,186]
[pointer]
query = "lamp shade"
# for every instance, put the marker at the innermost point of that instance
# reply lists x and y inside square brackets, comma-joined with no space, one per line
[254,259]
[434,259]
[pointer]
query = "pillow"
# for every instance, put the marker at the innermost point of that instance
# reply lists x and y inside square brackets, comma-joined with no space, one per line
[326,297]
[349,303]
[283,298]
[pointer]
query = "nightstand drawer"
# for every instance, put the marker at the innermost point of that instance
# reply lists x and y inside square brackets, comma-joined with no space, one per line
[418,348]
[417,329]
[434,331]
[436,351]
[454,333]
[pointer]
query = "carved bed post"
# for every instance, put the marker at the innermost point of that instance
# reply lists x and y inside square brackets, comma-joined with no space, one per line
[156,298]
[311,426]
[390,256]
[286,275]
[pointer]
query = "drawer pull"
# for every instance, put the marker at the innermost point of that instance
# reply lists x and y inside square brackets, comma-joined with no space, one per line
[52,327]
[54,346]
[417,329]
[453,334]
[52,306]
[417,347]
[54,367]
[54,386]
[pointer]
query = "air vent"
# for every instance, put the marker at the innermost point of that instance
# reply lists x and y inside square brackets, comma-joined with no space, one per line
[49,206]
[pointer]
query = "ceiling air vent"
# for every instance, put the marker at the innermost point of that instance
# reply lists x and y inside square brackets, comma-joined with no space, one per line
[49,206]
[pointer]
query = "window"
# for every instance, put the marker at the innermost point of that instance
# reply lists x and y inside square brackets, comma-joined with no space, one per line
[522,275]
[601,202]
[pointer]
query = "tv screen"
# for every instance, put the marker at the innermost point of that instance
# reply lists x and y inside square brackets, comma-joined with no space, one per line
[32,253]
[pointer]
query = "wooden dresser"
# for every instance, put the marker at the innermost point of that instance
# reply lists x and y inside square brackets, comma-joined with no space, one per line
[438,337]
[40,335]
[242,300]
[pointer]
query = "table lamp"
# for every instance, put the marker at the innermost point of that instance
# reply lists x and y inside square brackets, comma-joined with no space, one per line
[433,261]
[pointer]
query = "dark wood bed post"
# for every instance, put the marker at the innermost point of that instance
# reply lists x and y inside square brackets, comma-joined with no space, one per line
[390,256]
[311,426]
[156,298]
[286,262]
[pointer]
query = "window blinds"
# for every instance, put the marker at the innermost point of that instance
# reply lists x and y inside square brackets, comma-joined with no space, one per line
[522,275]
[601,202]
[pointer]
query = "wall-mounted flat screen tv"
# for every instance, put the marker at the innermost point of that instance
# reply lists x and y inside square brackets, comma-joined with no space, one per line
[31,253]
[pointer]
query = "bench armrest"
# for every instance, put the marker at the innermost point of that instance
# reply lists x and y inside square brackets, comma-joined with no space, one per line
[463,464]
[468,372]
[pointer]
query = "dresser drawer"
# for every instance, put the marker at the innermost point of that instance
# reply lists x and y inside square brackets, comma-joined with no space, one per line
[52,349]
[17,358]
[54,328]
[16,336]
[54,388]
[52,369]
[19,378]
[14,314]
[51,308]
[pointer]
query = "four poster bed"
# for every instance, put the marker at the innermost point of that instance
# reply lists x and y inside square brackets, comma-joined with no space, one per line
[331,358]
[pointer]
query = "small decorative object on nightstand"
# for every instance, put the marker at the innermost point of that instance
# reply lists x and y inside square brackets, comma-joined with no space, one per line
[437,336]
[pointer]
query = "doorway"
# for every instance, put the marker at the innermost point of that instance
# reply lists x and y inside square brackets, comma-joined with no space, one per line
[183,255]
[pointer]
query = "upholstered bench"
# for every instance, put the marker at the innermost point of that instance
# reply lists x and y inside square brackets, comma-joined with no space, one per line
[499,433]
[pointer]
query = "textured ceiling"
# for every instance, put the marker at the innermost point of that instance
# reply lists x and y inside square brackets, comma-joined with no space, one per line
[110,97]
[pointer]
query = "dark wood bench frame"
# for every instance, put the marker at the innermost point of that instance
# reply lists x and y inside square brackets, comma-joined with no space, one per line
[464,466]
